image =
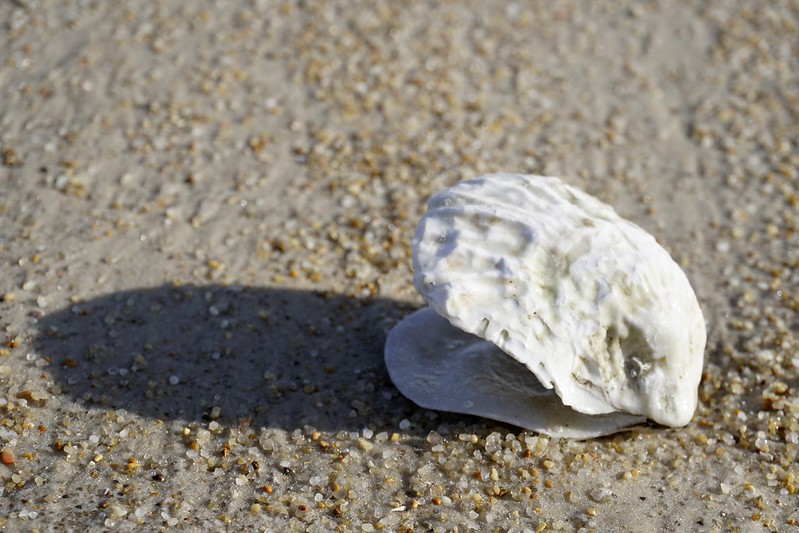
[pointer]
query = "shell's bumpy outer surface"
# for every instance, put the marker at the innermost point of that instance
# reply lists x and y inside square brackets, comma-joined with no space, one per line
[587,301]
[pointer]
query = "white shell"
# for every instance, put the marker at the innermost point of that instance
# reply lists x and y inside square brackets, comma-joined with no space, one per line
[586,301]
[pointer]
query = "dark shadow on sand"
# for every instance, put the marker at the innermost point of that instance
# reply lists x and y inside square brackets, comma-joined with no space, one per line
[277,358]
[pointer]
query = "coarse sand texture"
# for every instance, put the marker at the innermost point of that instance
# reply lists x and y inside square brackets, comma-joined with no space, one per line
[206,220]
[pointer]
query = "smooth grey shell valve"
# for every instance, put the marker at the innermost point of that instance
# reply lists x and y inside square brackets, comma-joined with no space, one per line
[548,311]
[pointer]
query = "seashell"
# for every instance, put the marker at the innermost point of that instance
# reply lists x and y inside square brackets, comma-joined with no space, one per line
[548,311]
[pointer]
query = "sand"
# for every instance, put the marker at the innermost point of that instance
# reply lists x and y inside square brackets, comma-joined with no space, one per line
[206,211]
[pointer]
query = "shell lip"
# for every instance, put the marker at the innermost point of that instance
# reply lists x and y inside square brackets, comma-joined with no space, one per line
[440,367]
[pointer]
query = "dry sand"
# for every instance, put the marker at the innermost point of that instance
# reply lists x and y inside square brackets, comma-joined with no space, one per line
[205,217]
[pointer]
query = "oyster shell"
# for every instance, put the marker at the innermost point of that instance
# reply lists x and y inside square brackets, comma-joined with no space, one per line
[601,324]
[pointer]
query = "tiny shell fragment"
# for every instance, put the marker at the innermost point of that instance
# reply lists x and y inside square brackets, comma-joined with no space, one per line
[588,302]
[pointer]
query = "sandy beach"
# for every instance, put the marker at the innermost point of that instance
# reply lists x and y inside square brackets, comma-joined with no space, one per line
[206,213]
